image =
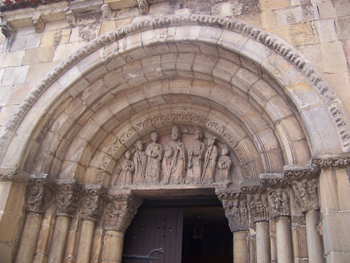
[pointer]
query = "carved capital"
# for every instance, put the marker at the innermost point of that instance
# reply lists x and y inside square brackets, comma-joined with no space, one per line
[68,198]
[306,194]
[120,210]
[143,6]
[6,29]
[71,18]
[236,211]
[37,193]
[252,187]
[38,22]
[324,162]
[273,180]
[92,203]
[279,202]
[258,207]
[106,12]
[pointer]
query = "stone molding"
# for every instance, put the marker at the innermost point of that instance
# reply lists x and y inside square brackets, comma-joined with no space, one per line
[120,210]
[14,175]
[92,202]
[274,43]
[330,161]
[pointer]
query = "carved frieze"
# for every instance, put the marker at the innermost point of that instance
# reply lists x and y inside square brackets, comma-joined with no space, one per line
[328,162]
[120,210]
[68,198]
[279,202]
[306,194]
[236,211]
[172,164]
[92,203]
[258,207]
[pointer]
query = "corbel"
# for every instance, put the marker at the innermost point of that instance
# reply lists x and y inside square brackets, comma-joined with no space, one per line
[143,6]
[6,29]
[38,22]
[71,18]
[106,12]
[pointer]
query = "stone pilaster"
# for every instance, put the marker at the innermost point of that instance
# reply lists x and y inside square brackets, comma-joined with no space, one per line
[67,202]
[119,212]
[38,195]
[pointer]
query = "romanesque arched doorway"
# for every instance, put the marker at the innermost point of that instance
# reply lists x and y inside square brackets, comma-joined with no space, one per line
[254,93]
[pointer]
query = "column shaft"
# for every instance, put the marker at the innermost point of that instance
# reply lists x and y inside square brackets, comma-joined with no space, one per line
[29,238]
[85,241]
[284,240]
[59,239]
[314,241]
[113,247]
[240,247]
[263,242]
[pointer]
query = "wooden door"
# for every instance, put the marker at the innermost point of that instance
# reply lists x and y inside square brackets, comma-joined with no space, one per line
[154,228]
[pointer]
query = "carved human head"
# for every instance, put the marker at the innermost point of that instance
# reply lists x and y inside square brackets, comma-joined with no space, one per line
[139,145]
[198,134]
[224,150]
[175,133]
[154,136]
[212,140]
[127,155]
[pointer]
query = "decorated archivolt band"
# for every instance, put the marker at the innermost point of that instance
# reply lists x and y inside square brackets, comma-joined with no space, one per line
[278,45]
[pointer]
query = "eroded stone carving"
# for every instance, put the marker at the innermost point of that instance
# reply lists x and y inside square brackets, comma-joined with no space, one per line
[211,155]
[154,154]
[127,169]
[38,22]
[236,213]
[38,194]
[68,198]
[143,6]
[224,165]
[71,18]
[14,175]
[258,207]
[120,210]
[140,162]
[92,203]
[6,29]
[196,159]
[174,160]
[279,202]
[306,194]
[106,12]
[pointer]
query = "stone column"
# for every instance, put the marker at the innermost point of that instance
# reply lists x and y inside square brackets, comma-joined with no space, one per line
[236,212]
[279,205]
[306,195]
[67,203]
[258,208]
[37,196]
[92,207]
[119,212]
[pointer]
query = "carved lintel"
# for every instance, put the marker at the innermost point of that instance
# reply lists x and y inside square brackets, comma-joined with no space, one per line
[71,18]
[38,193]
[38,22]
[143,6]
[273,180]
[279,202]
[329,161]
[92,203]
[235,206]
[258,207]
[6,29]
[306,194]
[68,197]
[14,175]
[299,172]
[120,210]
[106,12]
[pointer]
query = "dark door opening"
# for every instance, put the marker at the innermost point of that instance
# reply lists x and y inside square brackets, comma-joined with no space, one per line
[188,231]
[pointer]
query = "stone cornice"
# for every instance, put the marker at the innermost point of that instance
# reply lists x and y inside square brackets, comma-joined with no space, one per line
[330,161]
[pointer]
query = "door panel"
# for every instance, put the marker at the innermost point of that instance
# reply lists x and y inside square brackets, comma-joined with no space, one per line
[154,228]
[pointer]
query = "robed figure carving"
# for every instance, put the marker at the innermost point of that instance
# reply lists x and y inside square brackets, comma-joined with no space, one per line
[154,152]
[195,159]
[210,162]
[224,165]
[174,160]
[127,169]
[140,161]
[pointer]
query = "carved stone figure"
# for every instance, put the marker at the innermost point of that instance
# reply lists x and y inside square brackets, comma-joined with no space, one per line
[196,159]
[127,169]
[140,162]
[35,198]
[224,165]
[237,214]
[154,154]
[67,203]
[174,160]
[279,202]
[306,194]
[210,162]
[92,208]
[258,207]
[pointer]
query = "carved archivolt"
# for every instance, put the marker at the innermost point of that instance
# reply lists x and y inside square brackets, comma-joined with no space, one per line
[173,163]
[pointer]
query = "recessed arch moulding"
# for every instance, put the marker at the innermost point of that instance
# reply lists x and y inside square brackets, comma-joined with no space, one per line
[253,91]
